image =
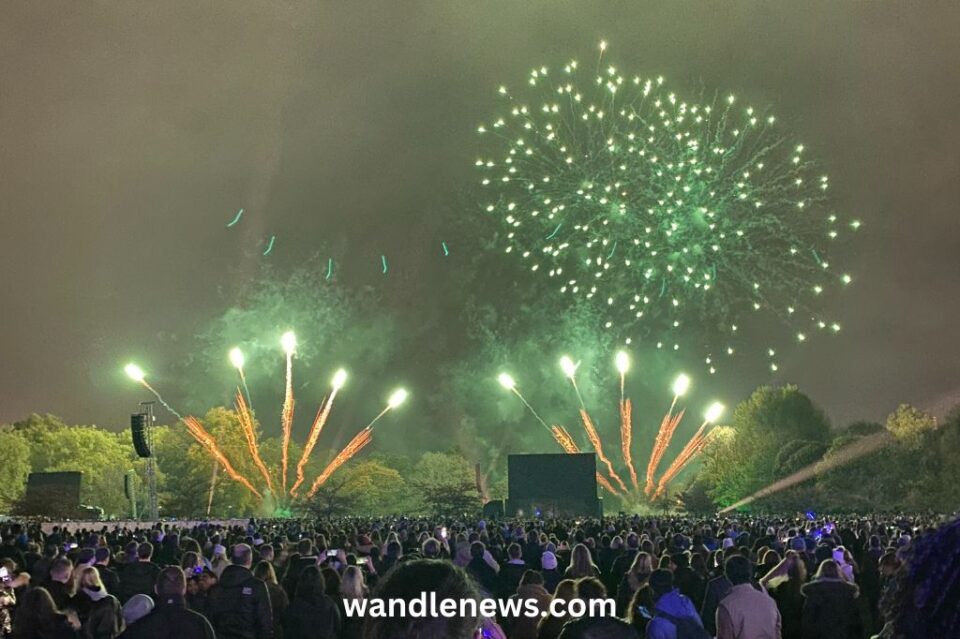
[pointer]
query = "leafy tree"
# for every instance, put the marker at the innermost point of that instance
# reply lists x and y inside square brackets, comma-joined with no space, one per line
[446,483]
[364,488]
[14,466]
[910,425]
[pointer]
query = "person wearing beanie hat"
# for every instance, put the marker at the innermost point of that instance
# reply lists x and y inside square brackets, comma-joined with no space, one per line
[728,543]
[674,614]
[136,608]
[551,576]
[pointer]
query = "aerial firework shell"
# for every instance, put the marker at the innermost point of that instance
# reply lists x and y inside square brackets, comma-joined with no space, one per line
[677,218]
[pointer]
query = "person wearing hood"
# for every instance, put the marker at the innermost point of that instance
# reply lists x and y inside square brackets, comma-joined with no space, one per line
[170,617]
[98,610]
[551,575]
[673,613]
[139,577]
[530,588]
[239,605]
[312,614]
[830,607]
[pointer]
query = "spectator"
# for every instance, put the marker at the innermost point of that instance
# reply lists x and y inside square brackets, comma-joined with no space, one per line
[598,628]
[923,599]
[140,576]
[687,581]
[60,584]
[311,613]
[278,596]
[581,564]
[745,611]
[171,617]
[674,616]
[239,605]
[512,571]
[37,617]
[640,610]
[551,576]
[97,609]
[136,608]
[633,580]
[830,608]
[108,577]
[530,589]
[784,583]
[551,625]
[717,588]
[353,588]
[624,561]
[219,563]
[480,570]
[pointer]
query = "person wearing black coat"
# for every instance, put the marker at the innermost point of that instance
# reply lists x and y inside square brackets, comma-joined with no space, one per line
[480,570]
[830,607]
[311,614]
[171,617]
[239,605]
[108,576]
[98,610]
[511,572]
[38,618]
[140,576]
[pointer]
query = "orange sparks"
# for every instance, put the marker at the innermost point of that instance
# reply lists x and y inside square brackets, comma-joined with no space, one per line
[361,439]
[322,414]
[594,437]
[564,439]
[664,435]
[286,419]
[606,485]
[626,438]
[207,441]
[689,452]
[246,421]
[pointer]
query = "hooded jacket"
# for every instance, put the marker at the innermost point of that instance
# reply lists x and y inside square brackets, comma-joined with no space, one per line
[239,606]
[676,605]
[830,610]
[138,578]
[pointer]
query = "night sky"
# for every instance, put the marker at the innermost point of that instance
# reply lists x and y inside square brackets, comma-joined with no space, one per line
[131,133]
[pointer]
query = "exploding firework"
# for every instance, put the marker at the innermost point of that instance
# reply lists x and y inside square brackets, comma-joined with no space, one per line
[677,217]
[653,490]
[245,418]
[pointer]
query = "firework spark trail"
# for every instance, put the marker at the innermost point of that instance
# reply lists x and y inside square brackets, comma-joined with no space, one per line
[160,399]
[564,439]
[845,455]
[626,438]
[664,435]
[246,389]
[246,421]
[273,238]
[318,423]
[532,412]
[594,437]
[607,485]
[689,452]
[207,441]
[361,439]
[286,419]
[236,218]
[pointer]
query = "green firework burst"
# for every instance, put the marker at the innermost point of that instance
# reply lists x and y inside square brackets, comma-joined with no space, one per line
[677,218]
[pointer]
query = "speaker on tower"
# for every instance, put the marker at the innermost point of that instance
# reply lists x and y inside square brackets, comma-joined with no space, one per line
[138,429]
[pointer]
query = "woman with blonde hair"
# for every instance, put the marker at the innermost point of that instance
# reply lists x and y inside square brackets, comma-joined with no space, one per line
[278,596]
[581,564]
[830,608]
[353,587]
[99,611]
[635,578]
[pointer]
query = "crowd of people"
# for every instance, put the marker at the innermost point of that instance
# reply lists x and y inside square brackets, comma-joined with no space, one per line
[669,577]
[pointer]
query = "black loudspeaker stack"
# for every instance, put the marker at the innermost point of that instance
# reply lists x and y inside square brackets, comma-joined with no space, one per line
[138,429]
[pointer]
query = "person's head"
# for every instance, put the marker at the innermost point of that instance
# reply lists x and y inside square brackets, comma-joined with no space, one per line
[407,582]
[680,560]
[633,541]
[590,589]
[661,582]
[394,549]
[89,579]
[548,561]
[829,569]
[266,552]
[171,582]
[243,555]
[102,555]
[430,548]
[311,584]
[737,568]
[580,560]
[61,570]
[531,578]
[145,551]
[305,547]
[136,608]
[566,590]
[889,563]
[207,580]
[477,549]
[264,572]
[515,552]
[352,585]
